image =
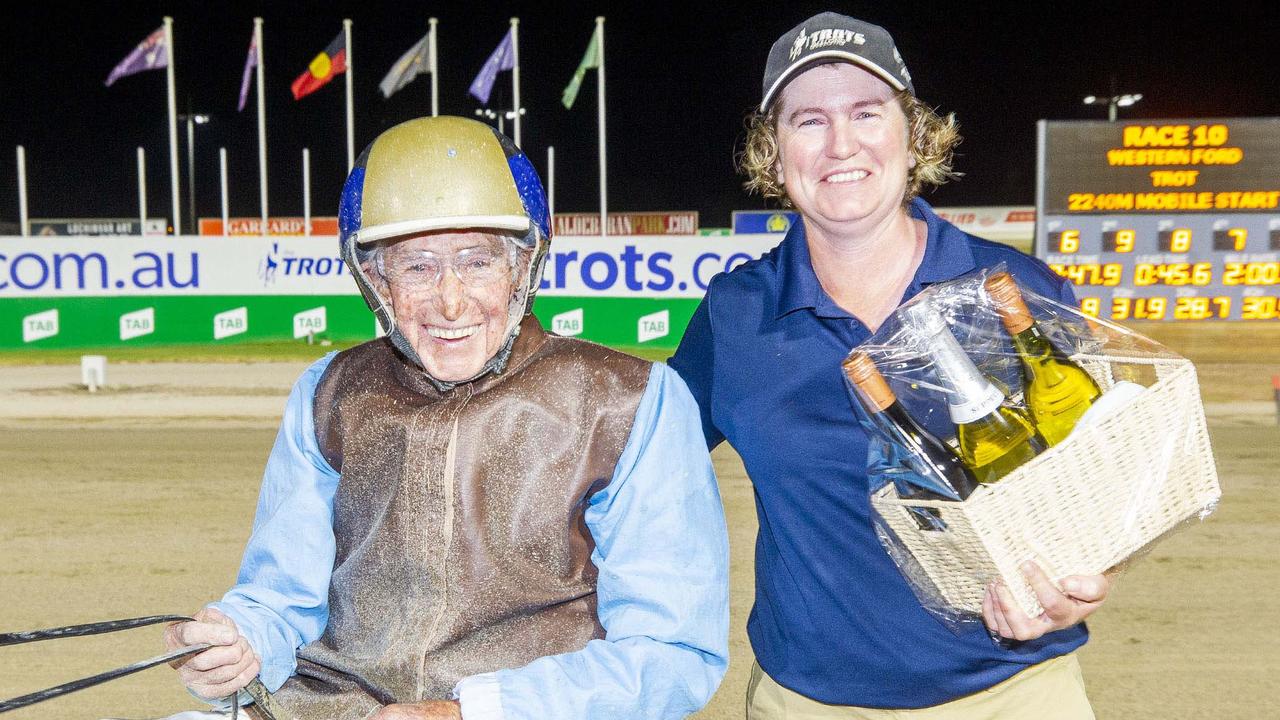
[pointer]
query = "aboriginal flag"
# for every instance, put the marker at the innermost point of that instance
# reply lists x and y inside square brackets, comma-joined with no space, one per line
[331,62]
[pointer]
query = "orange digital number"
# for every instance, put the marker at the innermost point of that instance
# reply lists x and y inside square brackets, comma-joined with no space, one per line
[1240,235]
[1192,308]
[1175,273]
[1091,306]
[1212,135]
[1202,274]
[1069,241]
[1224,306]
[1151,308]
[1258,308]
[1144,274]
[1109,274]
[1180,241]
[1120,308]
[1251,273]
[1124,241]
[1262,273]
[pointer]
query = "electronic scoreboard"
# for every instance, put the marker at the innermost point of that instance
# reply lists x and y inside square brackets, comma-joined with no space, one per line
[1163,219]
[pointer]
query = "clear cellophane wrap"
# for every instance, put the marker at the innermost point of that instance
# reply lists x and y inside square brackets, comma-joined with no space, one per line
[1106,493]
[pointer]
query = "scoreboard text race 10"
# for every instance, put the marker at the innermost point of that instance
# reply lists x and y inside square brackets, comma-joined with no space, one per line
[1163,219]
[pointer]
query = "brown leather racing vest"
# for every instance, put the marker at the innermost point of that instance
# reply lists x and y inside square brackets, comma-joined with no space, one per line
[461,544]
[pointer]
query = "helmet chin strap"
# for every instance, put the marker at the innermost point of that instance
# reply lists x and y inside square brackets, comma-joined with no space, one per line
[520,304]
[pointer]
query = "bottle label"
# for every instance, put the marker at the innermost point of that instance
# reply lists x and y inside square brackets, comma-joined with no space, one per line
[975,405]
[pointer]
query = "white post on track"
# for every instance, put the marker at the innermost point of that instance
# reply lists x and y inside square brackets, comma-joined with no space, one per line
[222,183]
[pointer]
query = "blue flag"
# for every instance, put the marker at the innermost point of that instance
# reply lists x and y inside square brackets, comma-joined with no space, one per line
[502,58]
[249,64]
[151,54]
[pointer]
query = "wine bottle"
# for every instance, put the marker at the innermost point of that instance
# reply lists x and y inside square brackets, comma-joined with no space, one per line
[994,439]
[1057,390]
[933,460]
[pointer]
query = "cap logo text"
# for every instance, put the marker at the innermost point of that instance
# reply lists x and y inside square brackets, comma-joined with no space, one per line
[824,38]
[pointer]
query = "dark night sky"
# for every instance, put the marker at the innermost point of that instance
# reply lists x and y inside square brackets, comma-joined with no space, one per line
[680,78]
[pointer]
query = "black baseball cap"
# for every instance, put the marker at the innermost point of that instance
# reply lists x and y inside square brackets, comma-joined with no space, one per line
[832,37]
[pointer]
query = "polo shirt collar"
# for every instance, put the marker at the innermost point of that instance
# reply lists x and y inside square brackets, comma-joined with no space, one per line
[946,256]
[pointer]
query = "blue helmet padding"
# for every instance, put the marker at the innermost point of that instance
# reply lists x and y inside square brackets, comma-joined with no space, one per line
[532,195]
[349,205]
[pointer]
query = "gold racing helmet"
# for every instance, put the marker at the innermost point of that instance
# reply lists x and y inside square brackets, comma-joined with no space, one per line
[444,173]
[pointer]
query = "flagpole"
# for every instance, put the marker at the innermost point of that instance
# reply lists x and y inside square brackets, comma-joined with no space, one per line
[222,180]
[142,191]
[551,180]
[173,126]
[515,77]
[604,211]
[306,192]
[22,190]
[262,129]
[351,112]
[431,54]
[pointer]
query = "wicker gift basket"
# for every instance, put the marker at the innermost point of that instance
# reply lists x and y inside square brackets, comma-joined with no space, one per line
[1109,490]
[1081,507]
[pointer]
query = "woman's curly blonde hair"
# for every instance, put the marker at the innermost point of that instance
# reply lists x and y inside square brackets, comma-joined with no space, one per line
[933,139]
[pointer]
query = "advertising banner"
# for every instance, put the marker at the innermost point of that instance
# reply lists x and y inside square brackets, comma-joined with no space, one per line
[1010,224]
[59,227]
[184,265]
[92,292]
[681,222]
[754,222]
[275,226]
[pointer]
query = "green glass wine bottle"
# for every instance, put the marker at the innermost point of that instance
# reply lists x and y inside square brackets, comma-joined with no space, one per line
[994,439]
[1057,390]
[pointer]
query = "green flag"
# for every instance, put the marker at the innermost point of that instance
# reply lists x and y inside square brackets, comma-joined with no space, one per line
[590,61]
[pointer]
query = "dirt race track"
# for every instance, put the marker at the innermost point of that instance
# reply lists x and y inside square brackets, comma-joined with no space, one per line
[137,500]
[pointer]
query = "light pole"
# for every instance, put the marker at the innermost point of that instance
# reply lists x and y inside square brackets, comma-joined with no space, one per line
[192,119]
[501,117]
[511,115]
[491,115]
[1113,102]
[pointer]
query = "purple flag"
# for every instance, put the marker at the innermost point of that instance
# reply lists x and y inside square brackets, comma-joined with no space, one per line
[151,54]
[502,58]
[249,64]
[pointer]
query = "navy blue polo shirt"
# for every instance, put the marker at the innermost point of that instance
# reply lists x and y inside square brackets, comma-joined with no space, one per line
[833,618]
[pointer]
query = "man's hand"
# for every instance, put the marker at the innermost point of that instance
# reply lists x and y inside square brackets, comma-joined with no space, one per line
[1079,597]
[221,670]
[424,710]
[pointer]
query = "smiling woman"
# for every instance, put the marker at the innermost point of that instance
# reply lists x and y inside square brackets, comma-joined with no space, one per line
[842,145]
[840,136]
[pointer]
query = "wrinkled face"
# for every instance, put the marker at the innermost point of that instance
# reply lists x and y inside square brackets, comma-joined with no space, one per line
[842,141]
[451,294]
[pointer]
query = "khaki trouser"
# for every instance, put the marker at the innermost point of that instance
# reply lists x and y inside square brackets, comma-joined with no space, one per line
[1052,690]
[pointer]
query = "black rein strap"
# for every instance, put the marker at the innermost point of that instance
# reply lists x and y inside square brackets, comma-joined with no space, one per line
[96,629]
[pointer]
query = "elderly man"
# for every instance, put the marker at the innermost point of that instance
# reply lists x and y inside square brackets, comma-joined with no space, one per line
[470,517]
[837,633]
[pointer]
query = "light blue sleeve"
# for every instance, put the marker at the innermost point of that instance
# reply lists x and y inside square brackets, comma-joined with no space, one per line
[281,598]
[663,588]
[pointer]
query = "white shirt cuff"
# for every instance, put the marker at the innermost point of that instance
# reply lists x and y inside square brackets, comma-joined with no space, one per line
[480,697]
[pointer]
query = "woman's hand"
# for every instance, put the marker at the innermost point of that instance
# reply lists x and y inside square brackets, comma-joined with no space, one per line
[1079,597]
[221,670]
[424,710]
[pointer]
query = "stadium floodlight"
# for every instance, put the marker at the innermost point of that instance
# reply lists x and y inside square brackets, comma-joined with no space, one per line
[1113,102]
[192,119]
